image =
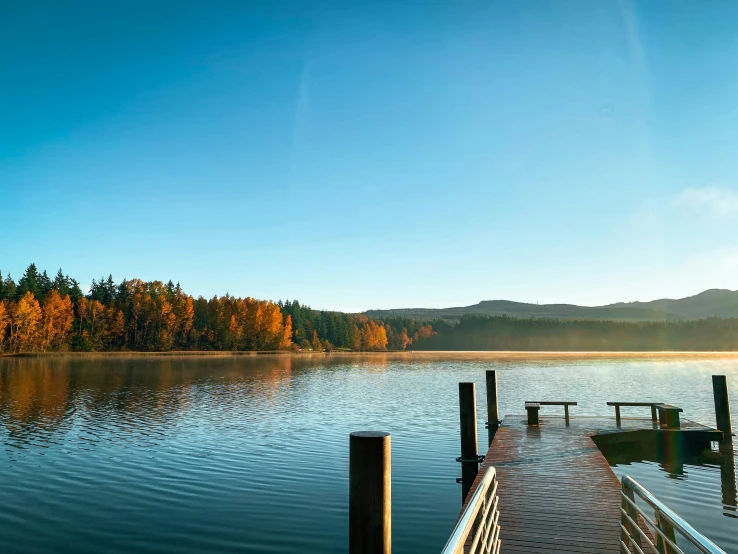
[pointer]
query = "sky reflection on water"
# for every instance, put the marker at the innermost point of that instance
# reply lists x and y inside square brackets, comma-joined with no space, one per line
[251,454]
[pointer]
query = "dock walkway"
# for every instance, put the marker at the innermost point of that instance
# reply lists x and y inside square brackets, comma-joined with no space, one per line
[557,493]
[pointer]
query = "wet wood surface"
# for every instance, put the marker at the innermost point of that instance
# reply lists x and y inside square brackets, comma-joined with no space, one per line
[557,491]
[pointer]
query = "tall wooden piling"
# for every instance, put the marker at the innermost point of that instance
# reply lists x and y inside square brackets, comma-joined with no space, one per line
[728,485]
[493,413]
[370,505]
[469,447]
[722,406]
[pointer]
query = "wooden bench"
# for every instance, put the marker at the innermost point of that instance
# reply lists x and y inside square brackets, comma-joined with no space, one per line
[617,405]
[532,409]
[669,416]
[533,406]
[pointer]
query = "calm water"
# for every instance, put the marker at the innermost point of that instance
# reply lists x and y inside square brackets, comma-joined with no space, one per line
[251,454]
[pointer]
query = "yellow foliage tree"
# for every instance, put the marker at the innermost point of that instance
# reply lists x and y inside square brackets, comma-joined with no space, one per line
[115,327]
[4,320]
[286,333]
[424,332]
[25,320]
[404,339]
[370,336]
[273,326]
[150,315]
[91,315]
[316,342]
[56,321]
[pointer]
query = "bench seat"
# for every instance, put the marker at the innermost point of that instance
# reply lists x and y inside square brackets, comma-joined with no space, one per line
[617,405]
[533,406]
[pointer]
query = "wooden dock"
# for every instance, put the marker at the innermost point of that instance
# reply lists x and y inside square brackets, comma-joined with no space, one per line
[545,484]
[557,492]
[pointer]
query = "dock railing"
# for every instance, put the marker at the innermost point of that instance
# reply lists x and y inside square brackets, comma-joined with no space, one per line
[663,524]
[478,528]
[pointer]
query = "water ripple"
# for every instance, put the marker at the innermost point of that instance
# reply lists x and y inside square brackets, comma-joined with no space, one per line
[251,454]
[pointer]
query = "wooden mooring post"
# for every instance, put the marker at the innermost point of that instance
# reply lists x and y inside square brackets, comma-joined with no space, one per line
[493,414]
[728,485]
[370,498]
[469,448]
[722,406]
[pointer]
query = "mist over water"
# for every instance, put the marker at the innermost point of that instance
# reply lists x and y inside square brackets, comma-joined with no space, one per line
[250,454]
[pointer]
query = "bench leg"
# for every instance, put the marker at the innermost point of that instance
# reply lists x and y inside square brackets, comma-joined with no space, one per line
[617,415]
[532,416]
[653,414]
[566,414]
[672,419]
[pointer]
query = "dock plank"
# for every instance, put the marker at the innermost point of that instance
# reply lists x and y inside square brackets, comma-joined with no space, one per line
[557,493]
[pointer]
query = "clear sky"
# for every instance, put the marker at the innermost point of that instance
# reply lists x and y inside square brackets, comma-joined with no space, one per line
[358,155]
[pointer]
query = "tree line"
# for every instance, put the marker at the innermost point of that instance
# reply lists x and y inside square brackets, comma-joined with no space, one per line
[354,332]
[475,332]
[39,313]
[42,314]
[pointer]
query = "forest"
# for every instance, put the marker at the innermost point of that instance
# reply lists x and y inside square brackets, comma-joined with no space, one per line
[541,334]
[42,314]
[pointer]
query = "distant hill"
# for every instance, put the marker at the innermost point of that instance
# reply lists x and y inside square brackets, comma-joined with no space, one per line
[711,303]
[718,303]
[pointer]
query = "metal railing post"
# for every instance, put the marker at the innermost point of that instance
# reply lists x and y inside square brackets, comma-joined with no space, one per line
[662,523]
[478,528]
[668,529]
[633,515]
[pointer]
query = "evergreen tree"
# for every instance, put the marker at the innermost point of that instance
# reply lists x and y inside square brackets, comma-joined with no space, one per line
[44,285]
[9,288]
[110,290]
[60,283]
[29,282]
[75,293]
[103,291]
[121,293]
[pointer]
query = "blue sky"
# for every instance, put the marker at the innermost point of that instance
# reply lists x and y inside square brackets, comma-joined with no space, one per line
[374,155]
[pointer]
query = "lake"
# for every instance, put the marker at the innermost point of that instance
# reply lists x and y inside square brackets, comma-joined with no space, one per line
[250,454]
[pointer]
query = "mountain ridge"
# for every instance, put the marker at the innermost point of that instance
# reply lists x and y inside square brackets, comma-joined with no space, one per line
[709,303]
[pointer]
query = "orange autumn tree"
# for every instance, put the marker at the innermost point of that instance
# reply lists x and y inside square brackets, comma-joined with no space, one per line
[183,308]
[115,327]
[271,333]
[373,336]
[25,320]
[404,340]
[40,313]
[56,321]
[286,341]
[246,324]
[167,322]
[423,332]
[4,320]
[368,335]
[90,317]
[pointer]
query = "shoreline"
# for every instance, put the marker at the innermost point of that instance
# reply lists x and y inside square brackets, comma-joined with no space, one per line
[399,354]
